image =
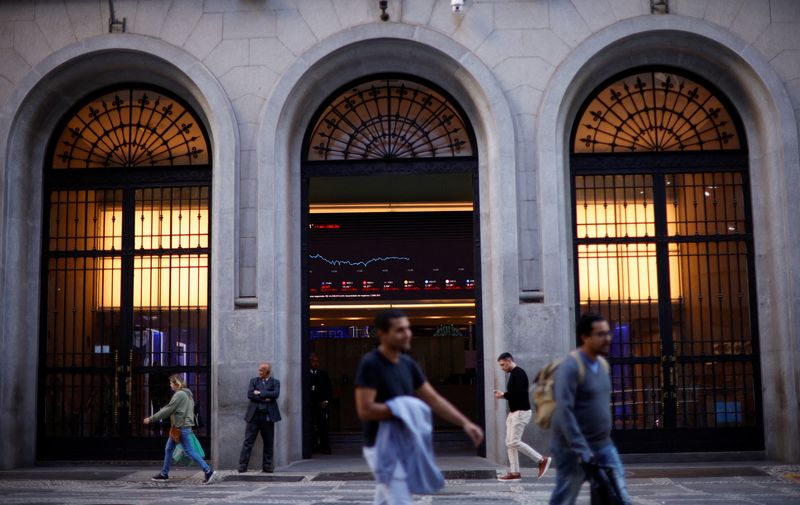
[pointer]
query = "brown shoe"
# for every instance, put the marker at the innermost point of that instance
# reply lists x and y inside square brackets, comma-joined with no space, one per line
[544,465]
[510,477]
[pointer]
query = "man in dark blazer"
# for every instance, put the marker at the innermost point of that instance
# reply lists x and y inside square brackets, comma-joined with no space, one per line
[320,385]
[262,414]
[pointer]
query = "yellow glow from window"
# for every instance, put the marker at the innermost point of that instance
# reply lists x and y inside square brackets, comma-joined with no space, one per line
[169,281]
[165,282]
[178,228]
[621,271]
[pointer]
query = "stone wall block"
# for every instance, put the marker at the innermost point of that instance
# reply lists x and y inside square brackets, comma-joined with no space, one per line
[244,25]
[751,21]
[567,23]
[523,15]
[29,42]
[320,16]
[228,54]
[206,35]
[271,53]
[53,21]
[180,20]
[294,32]
[597,13]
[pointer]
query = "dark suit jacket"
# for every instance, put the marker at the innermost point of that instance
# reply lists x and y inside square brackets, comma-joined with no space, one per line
[320,385]
[269,397]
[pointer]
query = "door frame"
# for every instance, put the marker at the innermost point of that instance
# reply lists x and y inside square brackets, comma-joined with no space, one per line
[309,169]
[126,180]
[672,439]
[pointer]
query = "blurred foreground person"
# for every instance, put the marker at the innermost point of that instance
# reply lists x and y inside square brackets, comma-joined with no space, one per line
[581,422]
[397,426]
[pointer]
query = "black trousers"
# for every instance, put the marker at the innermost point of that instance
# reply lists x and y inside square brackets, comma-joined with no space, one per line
[319,425]
[259,424]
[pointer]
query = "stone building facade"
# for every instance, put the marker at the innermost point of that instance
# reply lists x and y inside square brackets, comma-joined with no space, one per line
[255,71]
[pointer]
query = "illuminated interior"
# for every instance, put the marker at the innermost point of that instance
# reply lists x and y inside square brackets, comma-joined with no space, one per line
[702,230]
[355,213]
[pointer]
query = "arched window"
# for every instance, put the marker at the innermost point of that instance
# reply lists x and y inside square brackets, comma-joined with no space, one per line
[389,119]
[663,248]
[390,195]
[125,255]
[655,111]
[131,127]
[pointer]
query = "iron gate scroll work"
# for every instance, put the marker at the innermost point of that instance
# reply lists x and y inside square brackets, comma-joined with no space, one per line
[663,247]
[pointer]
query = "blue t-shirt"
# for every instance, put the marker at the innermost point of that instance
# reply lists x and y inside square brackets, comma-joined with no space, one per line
[376,371]
[592,364]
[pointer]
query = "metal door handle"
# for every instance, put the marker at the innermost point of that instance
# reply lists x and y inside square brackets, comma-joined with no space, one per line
[129,387]
[116,387]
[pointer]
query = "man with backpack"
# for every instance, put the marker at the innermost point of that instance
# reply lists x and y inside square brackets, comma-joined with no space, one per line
[519,415]
[581,419]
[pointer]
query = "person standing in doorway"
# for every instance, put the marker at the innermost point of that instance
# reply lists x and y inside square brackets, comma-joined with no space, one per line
[320,385]
[180,411]
[262,414]
[386,373]
[582,418]
[519,415]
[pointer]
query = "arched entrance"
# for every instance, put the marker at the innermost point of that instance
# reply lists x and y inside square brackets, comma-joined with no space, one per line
[663,246]
[125,270]
[390,185]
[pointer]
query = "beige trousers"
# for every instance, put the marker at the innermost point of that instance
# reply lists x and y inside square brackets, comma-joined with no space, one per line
[515,427]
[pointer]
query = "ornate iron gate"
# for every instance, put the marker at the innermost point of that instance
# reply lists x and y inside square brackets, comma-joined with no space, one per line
[663,247]
[125,274]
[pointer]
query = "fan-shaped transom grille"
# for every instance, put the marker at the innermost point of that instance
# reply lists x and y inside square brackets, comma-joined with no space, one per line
[389,119]
[131,127]
[655,111]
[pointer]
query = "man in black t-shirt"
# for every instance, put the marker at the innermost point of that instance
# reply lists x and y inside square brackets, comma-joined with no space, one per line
[385,373]
[519,415]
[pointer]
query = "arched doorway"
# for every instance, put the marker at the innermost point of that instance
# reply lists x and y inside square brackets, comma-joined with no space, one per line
[663,247]
[390,218]
[125,269]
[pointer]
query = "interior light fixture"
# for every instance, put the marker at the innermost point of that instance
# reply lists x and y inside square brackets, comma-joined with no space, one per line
[359,208]
[368,306]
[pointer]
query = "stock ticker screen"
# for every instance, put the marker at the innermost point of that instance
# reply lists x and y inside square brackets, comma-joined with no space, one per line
[391,256]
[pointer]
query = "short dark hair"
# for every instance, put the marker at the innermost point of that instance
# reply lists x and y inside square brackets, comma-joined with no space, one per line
[504,356]
[384,318]
[586,322]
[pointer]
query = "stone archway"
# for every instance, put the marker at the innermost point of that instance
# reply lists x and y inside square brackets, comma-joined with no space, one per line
[41,99]
[751,84]
[342,58]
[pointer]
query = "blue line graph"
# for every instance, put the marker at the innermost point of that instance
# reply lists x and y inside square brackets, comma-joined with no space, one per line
[337,263]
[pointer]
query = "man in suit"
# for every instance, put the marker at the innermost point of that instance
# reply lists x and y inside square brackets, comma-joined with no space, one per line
[262,414]
[320,385]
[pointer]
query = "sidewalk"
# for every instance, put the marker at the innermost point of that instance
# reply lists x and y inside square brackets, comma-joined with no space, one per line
[346,481]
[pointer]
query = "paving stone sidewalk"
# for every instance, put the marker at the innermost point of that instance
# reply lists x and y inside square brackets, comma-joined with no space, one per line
[692,485]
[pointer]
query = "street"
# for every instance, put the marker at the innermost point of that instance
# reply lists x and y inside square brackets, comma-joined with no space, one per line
[346,483]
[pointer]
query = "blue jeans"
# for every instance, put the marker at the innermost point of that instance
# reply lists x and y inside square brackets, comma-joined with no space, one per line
[570,475]
[187,448]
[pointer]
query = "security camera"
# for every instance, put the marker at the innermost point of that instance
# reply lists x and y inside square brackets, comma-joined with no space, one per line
[457,5]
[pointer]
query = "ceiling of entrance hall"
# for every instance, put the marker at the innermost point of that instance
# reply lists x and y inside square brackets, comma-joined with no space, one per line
[391,188]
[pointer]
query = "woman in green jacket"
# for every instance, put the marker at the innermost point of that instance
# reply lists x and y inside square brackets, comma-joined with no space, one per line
[180,411]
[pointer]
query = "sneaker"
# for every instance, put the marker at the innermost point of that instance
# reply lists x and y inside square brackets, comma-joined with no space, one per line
[510,477]
[267,470]
[209,476]
[159,478]
[544,465]
[242,470]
